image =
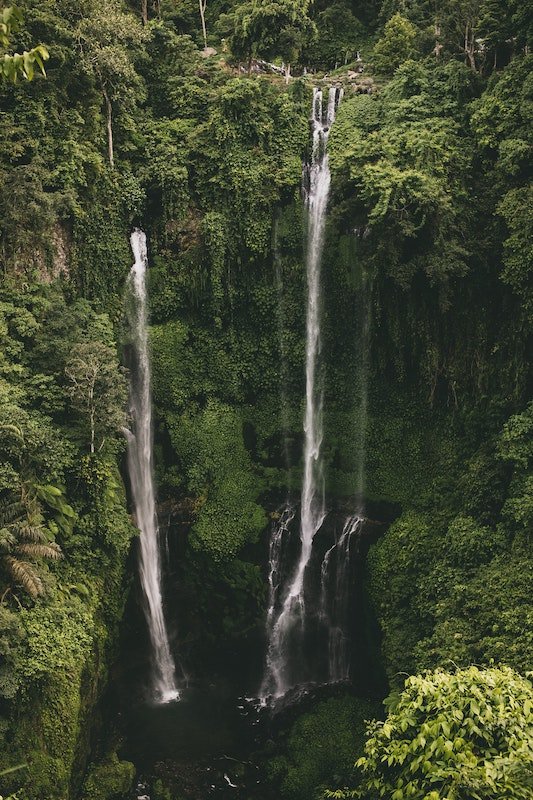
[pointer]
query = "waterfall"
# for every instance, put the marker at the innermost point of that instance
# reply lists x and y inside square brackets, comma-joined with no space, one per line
[279,539]
[140,463]
[290,620]
[335,598]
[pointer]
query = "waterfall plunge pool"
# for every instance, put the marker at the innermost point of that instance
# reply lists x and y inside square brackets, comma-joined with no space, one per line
[214,743]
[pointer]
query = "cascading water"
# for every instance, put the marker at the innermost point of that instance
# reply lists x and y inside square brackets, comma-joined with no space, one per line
[335,597]
[140,464]
[285,627]
[279,539]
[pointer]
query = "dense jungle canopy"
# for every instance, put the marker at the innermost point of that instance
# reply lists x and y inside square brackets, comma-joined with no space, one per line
[190,121]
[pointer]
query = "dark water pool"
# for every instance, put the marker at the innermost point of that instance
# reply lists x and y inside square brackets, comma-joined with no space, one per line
[206,745]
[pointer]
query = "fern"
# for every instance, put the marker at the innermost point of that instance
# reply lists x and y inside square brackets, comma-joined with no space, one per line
[23,574]
[24,540]
[49,550]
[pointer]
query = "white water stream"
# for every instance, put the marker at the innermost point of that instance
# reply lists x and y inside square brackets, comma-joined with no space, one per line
[140,463]
[290,619]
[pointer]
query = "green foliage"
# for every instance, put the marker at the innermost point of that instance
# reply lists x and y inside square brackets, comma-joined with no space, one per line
[24,64]
[24,540]
[397,45]
[97,390]
[466,734]
[109,780]
[445,586]
[404,159]
[219,471]
[320,747]
[340,35]
[271,29]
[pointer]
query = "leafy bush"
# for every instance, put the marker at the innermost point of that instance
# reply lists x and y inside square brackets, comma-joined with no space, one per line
[467,734]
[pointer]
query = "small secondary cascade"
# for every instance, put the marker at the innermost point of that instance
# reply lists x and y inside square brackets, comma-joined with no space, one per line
[335,598]
[288,623]
[140,464]
[279,539]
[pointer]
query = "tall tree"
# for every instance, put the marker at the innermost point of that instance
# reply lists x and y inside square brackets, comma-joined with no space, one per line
[203,5]
[97,389]
[271,29]
[108,40]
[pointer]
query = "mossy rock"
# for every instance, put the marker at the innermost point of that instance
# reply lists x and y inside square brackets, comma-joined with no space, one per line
[109,781]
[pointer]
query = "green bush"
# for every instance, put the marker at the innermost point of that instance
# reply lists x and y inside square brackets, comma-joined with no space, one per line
[321,745]
[466,734]
[111,780]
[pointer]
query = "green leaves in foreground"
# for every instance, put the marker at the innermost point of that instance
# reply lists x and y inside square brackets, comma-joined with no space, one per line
[20,64]
[466,735]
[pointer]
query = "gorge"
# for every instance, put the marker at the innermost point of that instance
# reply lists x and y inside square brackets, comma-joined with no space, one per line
[265,496]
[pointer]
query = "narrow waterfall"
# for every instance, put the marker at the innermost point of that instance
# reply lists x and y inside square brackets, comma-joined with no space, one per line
[335,598]
[140,463]
[279,540]
[290,620]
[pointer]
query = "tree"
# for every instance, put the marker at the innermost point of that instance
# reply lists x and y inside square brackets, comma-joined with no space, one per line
[271,29]
[18,64]
[464,26]
[398,44]
[108,39]
[97,390]
[466,735]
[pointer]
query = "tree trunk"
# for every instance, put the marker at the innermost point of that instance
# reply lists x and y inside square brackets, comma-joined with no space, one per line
[203,4]
[144,11]
[470,46]
[109,129]
[287,73]
[91,417]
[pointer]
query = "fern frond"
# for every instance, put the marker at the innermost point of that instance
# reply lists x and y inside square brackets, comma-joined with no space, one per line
[23,574]
[33,550]
[7,540]
[10,511]
[30,533]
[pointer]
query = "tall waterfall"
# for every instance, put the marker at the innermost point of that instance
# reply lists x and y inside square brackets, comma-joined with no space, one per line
[140,463]
[289,622]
